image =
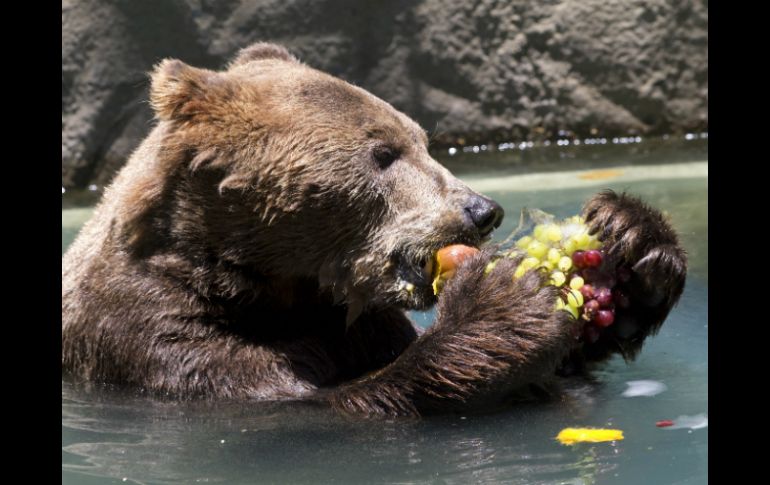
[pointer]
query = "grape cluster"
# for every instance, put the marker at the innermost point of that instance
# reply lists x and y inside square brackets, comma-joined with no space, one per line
[578,266]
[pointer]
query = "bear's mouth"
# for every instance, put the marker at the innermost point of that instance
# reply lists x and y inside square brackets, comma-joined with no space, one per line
[415,274]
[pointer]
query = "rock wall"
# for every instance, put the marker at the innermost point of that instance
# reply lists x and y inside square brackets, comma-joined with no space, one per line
[484,69]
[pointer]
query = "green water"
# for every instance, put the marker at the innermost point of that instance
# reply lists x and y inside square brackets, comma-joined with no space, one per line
[111,436]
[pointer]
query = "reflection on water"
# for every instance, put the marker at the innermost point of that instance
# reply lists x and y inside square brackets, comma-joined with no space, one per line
[109,434]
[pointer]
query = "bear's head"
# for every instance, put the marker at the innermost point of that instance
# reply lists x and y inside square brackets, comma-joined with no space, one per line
[293,173]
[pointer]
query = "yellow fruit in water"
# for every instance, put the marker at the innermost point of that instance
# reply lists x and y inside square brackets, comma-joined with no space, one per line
[570,436]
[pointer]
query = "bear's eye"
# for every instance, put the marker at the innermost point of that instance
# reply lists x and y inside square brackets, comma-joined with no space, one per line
[385,155]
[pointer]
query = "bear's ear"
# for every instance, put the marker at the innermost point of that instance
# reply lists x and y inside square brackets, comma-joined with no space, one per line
[262,50]
[180,91]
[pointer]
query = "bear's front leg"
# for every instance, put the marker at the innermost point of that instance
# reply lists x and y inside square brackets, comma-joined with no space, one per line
[492,336]
[641,241]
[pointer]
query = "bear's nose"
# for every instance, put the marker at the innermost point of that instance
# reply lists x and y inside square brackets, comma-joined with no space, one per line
[486,214]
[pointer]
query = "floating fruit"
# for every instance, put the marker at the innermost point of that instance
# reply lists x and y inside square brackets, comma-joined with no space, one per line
[570,436]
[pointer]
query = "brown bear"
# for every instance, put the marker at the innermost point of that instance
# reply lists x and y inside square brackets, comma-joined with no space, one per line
[265,239]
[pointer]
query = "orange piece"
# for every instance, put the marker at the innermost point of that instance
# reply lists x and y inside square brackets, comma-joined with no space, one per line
[450,257]
[447,261]
[601,174]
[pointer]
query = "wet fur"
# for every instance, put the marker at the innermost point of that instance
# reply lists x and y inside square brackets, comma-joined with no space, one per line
[246,233]
[493,336]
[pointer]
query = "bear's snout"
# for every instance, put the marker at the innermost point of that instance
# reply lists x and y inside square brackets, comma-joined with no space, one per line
[485,214]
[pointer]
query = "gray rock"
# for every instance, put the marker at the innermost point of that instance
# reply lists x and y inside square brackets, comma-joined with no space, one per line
[488,69]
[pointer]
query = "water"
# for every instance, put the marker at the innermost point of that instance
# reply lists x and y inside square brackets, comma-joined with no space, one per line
[114,436]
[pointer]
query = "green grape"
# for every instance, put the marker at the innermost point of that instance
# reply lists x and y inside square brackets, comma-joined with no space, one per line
[552,233]
[576,283]
[582,240]
[547,265]
[573,311]
[554,255]
[570,246]
[552,246]
[536,249]
[575,298]
[594,244]
[560,305]
[558,278]
[524,242]
[519,272]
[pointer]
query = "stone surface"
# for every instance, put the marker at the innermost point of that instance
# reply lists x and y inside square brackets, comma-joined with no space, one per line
[483,70]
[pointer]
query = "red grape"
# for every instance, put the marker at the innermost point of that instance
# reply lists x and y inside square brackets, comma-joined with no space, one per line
[592,258]
[604,318]
[591,306]
[587,291]
[578,259]
[604,297]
